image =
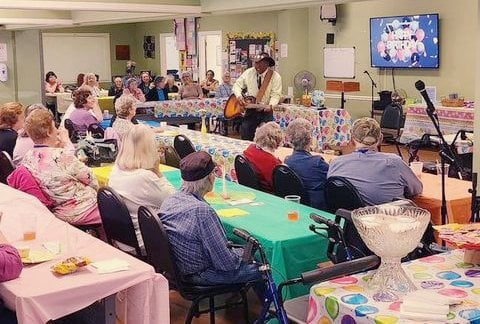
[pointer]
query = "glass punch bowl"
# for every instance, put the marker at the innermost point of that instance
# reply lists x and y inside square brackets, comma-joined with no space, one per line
[391,232]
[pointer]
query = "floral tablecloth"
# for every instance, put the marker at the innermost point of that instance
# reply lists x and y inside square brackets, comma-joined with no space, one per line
[451,120]
[222,149]
[344,300]
[331,127]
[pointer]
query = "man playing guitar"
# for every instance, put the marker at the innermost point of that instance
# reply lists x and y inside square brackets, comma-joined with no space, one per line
[263,83]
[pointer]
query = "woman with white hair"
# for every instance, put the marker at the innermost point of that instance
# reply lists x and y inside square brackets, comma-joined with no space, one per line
[189,89]
[91,81]
[311,169]
[125,109]
[268,138]
[136,176]
[170,84]
[133,90]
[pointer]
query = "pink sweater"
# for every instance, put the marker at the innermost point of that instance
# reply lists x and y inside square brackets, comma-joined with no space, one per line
[10,263]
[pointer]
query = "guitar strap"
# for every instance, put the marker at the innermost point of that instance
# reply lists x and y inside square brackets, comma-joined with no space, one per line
[263,87]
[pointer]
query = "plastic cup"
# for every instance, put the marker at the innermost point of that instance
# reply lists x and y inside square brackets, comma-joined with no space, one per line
[446,166]
[184,126]
[293,215]
[29,227]
[417,168]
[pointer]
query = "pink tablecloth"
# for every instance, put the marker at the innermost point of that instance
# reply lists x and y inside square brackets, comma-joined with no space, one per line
[38,295]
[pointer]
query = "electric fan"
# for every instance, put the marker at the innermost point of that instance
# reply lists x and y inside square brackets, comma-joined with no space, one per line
[305,81]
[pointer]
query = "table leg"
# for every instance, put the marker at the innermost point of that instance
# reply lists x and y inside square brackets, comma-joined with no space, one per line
[110,309]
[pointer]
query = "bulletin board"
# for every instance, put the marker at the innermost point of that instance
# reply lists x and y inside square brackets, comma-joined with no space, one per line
[339,62]
[243,47]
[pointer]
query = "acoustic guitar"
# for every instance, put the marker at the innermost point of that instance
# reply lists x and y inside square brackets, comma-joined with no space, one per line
[233,108]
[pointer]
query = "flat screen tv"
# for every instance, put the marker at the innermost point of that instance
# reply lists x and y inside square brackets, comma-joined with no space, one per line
[405,41]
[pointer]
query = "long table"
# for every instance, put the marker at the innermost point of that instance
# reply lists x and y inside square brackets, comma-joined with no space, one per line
[345,300]
[331,127]
[38,295]
[290,246]
[452,119]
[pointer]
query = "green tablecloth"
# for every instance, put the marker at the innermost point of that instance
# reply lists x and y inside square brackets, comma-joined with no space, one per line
[290,246]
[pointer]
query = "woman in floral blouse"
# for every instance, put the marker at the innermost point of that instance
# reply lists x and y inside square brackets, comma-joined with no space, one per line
[61,176]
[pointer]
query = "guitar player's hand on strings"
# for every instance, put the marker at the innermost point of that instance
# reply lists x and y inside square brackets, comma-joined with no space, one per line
[241,101]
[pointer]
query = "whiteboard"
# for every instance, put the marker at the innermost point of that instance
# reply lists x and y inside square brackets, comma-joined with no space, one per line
[70,54]
[339,62]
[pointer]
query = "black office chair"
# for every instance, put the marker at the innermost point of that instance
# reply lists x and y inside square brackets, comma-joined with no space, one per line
[171,157]
[246,175]
[160,256]
[6,166]
[340,193]
[116,220]
[72,133]
[286,182]
[183,146]
[391,125]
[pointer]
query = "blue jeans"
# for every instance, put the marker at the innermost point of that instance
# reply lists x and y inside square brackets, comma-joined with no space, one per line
[244,273]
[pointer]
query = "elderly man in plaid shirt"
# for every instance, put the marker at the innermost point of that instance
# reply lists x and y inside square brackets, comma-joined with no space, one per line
[197,237]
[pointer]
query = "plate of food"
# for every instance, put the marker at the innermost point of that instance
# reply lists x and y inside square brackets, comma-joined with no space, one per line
[70,265]
[35,256]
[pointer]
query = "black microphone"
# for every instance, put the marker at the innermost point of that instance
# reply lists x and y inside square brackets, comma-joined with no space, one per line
[420,85]
[371,79]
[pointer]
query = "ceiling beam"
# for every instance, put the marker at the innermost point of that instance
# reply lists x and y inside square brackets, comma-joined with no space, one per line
[99,6]
[35,21]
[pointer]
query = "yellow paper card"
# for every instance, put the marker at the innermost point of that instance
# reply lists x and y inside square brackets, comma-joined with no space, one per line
[231,212]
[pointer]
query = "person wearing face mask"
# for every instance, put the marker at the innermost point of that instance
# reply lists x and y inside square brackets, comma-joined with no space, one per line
[263,83]
[159,92]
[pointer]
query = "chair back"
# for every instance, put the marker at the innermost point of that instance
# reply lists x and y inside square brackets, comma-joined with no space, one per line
[340,193]
[287,182]
[171,157]
[392,118]
[246,175]
[72,133]
[335,251]
[183,146]
[157,246]
[6,166]
[116,219]
[96,130]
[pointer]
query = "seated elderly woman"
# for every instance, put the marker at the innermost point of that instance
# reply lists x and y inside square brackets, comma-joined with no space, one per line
[189,89]
[136,175]
[125,109]
[24,143]
[62,177]
[170,86]
[82,91]
[84,102]
[311,169]
[12,118]
[91,80]
[379,177]
[52,84]
[133,90]
[268,138]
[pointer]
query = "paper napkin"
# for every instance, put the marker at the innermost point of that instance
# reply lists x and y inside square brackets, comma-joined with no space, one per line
[111,265]
[231,212]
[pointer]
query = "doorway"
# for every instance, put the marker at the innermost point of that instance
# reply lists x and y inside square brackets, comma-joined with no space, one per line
[210,53]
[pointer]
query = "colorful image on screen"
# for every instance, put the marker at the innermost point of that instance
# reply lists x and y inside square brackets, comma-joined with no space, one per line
[404,41]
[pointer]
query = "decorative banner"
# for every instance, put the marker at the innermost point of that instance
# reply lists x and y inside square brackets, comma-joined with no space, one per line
[191,35]
[149,46]
[180,34]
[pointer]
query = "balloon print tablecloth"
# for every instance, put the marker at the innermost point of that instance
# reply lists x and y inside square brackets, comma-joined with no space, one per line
[451,121]
[345,301]
[335,125]
[331,127]
[222,149]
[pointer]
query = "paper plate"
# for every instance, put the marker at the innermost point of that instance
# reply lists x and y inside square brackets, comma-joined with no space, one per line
[37,256]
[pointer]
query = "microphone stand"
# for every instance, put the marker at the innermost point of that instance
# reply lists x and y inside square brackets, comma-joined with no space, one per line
[374,85]
[446,154]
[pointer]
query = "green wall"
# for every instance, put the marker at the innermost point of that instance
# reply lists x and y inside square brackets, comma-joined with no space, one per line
[8,89]
[457,54]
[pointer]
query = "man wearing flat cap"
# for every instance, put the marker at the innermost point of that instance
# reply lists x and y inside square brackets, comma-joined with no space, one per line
[196,234]
[378,177]
[263,83]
